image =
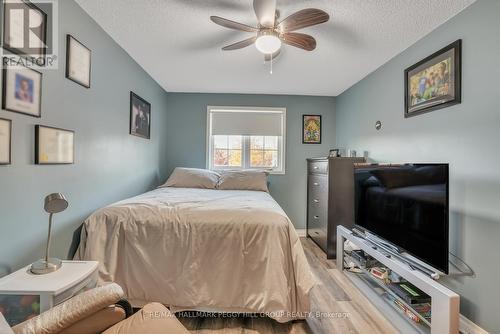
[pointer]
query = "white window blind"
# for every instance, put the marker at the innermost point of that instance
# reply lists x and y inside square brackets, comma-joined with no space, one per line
[247,123]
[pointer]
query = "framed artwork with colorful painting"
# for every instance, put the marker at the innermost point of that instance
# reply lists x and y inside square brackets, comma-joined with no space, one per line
[434,82]
[22,90]
[311,129]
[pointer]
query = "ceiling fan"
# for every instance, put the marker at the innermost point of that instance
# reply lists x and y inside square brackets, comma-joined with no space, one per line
[270,34]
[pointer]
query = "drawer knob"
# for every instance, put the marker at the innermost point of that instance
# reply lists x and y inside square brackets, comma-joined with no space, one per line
[316,167]
[316,217]
[315,184]
[316,200]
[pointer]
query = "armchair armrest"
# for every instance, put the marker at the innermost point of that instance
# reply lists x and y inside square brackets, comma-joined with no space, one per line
[97,322]
[71,311]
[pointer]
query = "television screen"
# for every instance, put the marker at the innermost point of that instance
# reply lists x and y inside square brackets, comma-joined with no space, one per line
[406,205]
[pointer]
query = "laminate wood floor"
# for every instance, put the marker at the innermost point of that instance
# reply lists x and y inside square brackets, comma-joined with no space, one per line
[344,308]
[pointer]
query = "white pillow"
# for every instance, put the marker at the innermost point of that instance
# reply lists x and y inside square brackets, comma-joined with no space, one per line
[243,180]
[193,178]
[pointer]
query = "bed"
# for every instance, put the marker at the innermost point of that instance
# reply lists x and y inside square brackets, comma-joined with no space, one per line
[201,249]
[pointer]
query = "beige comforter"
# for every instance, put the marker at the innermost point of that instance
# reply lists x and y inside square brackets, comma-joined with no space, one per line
[200,249]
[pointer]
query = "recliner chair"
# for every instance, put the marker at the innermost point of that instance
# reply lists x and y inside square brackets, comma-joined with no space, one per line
[100,310]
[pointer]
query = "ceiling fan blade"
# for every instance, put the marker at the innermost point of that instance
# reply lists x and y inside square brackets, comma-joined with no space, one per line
[240,45]
[299,40]
[232,25]
[273,56]
[302,19]
[265,10]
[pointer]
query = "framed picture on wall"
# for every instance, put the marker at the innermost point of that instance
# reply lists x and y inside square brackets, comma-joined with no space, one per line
[78,62]
[54,146]
[5,141]
[140,116]
[311,129]
[434,82]
[16,27]
[22,90]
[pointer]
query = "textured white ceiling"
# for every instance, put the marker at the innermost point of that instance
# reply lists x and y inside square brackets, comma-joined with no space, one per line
[177,44]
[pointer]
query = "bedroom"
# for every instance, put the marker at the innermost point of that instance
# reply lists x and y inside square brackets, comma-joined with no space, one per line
[171,59]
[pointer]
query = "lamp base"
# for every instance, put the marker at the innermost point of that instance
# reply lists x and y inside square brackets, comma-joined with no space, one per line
[41,267]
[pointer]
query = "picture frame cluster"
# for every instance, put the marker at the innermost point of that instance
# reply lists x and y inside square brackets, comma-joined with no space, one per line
[22,93]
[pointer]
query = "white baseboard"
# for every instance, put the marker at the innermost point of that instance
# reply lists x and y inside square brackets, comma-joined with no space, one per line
[301,232]
[468,327]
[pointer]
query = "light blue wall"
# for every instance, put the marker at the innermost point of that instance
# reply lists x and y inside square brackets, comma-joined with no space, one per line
[110,164]
[465,135]
[186,138]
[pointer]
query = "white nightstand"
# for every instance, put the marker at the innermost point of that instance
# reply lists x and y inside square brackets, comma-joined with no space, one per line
[46,290]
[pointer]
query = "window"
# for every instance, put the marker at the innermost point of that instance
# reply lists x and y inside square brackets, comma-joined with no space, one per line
[228,151]
[246,138]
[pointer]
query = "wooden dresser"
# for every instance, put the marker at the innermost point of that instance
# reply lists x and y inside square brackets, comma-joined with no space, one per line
[330,199]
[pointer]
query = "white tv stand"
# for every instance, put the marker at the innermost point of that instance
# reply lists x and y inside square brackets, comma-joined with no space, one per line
[444,302]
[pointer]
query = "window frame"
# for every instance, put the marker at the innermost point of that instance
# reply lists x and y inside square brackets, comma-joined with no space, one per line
[280,170]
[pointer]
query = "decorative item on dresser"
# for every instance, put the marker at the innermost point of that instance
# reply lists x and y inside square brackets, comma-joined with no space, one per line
[330,199]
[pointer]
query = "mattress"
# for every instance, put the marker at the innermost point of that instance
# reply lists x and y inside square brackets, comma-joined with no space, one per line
[201,249]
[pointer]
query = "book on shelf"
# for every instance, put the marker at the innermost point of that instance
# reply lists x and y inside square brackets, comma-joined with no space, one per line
[409,293]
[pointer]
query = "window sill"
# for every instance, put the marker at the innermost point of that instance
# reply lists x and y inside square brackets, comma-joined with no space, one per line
[270,172]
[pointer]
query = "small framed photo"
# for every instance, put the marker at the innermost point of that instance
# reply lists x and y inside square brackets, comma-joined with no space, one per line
[311,129]
[54,146]
[140,116]
[434,82]
[5,141]
[334,153]
[19,35]
[78,62]
[22,90]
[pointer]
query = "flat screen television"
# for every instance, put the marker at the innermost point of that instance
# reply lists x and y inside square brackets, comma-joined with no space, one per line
[407,205]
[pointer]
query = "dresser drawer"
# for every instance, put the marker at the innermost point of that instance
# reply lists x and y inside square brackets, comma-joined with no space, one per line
[317,219]
[317,188]
[330,199]
[319,236]
[317,196]
[317,167]
[317,202]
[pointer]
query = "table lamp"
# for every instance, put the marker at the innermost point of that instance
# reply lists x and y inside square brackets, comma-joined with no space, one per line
[54,203]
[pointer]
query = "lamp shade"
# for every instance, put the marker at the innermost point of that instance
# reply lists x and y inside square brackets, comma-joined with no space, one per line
[268,44]
[55,203]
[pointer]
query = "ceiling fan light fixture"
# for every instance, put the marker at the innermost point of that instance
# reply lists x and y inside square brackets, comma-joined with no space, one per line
[268,42]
